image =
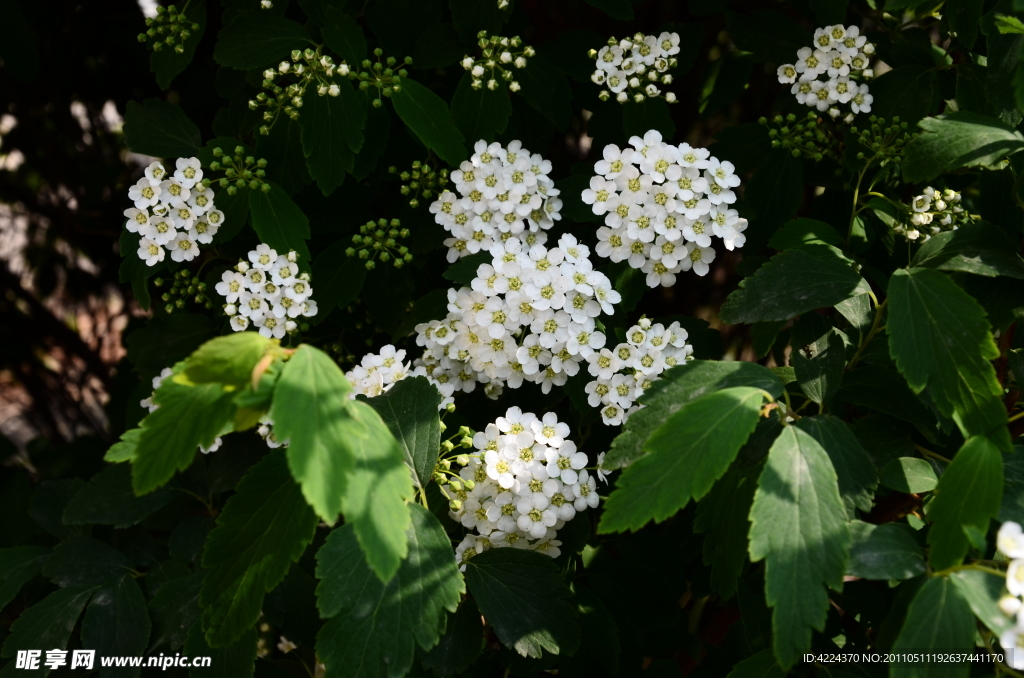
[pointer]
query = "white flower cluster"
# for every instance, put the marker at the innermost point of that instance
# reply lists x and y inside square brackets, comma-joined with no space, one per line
[626,371]
[661,205]
[525,481]
[1011,542]
[529,315]
[505,192]
[152,407]
[172,212]
[825,74]
[933,212]
[270,293]
[376,373]
[498,55]
[632,69]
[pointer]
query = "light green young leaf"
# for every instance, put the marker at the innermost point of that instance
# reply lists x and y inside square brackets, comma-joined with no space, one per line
[408,610]
[854,468]
[940,339]
[981,249]
[19,564]
[124,449]
[1009,24]
[258,40]
[227,360]
[279,222]
[723,515]
[799,529]
[117,622]
[909,474]
[523,596]
[939,620]
[427,115]
[409,409]
[687,454]
[108,500]
[160,128]
[263,529]
[968,495]
[883,552]
[955,140]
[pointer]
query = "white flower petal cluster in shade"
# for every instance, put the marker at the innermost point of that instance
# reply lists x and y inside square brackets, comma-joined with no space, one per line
[376,373]
[267,291]
[529,315]
[173,212]
[626,371]
[1010,542]
[831,72]
[931,213]
[523,483]
[632,68]
[502,193]
[662,204]
[152,407]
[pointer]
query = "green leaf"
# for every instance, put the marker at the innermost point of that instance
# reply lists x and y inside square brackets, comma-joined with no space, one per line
[286,163]
[48,624]
[227,360]
[522,595]
[460,644]
[906,92]
[722,514]
[167,63]
[1009,24]
[638,119]
[237,660]
[84,561]
[819,364]
[910,475]
[854,468]
[858,311]
[776,190]
[981,249]
[801,231]
[599,651]
[427,115]
[161,129]
[124,449]
[956,140]
[18,565]
[410,409]
[799,529]
[263,529]
[968,495]
[470,17]
[792,283]
[47,506]
[174,610]
[1013,490]
[279,222]
[680,385]
[134,270]
[687,454]
[165,340]
[339,277]
[258,40]
[939,620]
[724,81]
[760,665]
[982,592]
[108,499]
[941,341]
[616,9]
[117,622]
[964,17]
[343,35]
[463,271]
[332,133]
[546,88]
[883,552]
[375,143]
[407,611]
[165,445]
[770,34]
[343,456]
[481,113]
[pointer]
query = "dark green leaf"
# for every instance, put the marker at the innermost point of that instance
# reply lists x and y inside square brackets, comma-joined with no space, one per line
[770,34]
[854,468]
[724,81]
[375,142]
[49,623]
[19,564]
[776,190]
[760,665]
[48,502]
[165,340]
[956,140]
[599,651]
[522,595]
[910,475]
[792,283]
[236,660]
[829,12]
[1013,490]
[108,499]
[286,163]
[884,552]
[1002,75]
[963,17]
[117,623]
[343,35]
[968,495]
[279,222]
[481,113]
[174,610]
[547,90]
[981,249]
[463,271]
[906,92]
[460,644]
[799,529]
[819,365]
[263,529]
[616,9]
[159,128]
[409,409]
[407,611]
[167,63]
[84,561]
[801,231]
[339,277]
[258,40]
[427,115]
[638,119]
[332,132]
[883,389]
[470,17]
[686,455]
[722,514]
[939,620]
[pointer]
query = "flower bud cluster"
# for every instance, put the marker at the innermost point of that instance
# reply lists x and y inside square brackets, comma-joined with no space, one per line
[809,138]
[183,287]
[173,212]
[421,182]
[505,193]
[632,68]
[499,56]
[376,373]
[885,143]
[529,315]
[662,204]
[380,241]
[626,371]
[240,171]
[1010,542]
[826,74]
[153,407]
[381,75]
[523,481]
[267,291]
[931,213]
[286,85]
[169,28]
